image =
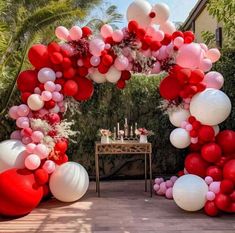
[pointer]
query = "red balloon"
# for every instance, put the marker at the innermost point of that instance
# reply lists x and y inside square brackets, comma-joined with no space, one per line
[167,39]
[229,170]
[232,196]
[133,26]
[69,73]
[226,187]
[222,201]
[25,96]
[102,68]
[86,31]
[19,193]
[61,146]
[226,140]
[211,209]
[70,88]
[56,58]
[83,71]
[126,75]
[211,152]
[41,176]
[49,104]
[85,89]
[177,34]
[196,76]
[67,63]
[215,172]
[206,133]
[121,84]
[107,60]
[38,56]
[196,165]
[27,81]
[155,45]
[170,88]
[195,147]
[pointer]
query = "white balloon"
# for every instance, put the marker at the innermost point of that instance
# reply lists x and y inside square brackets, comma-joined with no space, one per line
[98,77]
[180,138]
[216,129]
[139,11]
[35,102]
[189,192]
[210,107]
[69,182]
[162,13]
[12,155]
[178,116]
[46,74]
[167,27]
[113,75]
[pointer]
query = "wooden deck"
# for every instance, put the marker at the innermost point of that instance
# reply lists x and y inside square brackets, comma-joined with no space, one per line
[122,208]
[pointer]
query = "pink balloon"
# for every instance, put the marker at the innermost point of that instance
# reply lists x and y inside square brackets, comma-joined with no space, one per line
[204,47]
[155,53]
[23,110]
[58,74]
[189,56]
[169,193]
[214,80]
[174,179]
[106,31]
[96,46]
[169,184]
[42,112]
[147,53]
[156,187]
[156,68]
[95,61]
[16,135]
[107,46]
[75,33]
[210,196]
[213,54]
[208,180]
[13,112]
[163,187]
[37,90]
[121,63]
[57,97]
[37,136]
[58,87]
[159,180]
[178,41]
[194,140]
[49,166]
[42,151]
[184,124]
[46,96]
[32,162]
[215,187]
[162,53]
[30,148]
[26,140]
[205,64]
[118,36]
[62,33]
[187,100]
[80,62]
[22,122]
[186,106]
[189,127]
[27,132]
[158,35]
[49,86]
[160,193]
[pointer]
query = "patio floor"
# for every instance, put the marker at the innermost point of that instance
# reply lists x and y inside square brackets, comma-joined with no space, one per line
[122,208]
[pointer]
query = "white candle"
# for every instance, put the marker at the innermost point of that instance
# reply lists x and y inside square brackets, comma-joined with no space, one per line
[125,121]
[118,127]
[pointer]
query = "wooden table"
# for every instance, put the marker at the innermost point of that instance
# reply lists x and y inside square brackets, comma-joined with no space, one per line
[127,147]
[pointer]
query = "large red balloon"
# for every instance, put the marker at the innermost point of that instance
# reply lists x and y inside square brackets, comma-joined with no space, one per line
[211,152]
[70,88]
[226,140]
[206,133]
[222,201]
[196,165]
[85,89]
[215,172]
[229,170]
[211,209]
[19,192]
[170,88]
[27,81]
[38,56]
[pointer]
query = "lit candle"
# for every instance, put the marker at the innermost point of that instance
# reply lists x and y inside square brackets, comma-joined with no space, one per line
[131,133]
[118,128]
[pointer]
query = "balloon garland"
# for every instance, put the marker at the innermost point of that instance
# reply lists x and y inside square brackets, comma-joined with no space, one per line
[34,161]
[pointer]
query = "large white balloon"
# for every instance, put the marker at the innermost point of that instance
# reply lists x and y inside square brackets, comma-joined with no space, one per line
[12,154]
[139,11]
[180,138]
[167,27]
[113,75]
[189,192]
[46,74]
[178,116]
[98,77]
[210,107]
[69,182]
[35,102]
[162,13]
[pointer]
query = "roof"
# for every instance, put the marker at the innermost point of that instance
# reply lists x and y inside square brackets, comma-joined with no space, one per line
[198,8]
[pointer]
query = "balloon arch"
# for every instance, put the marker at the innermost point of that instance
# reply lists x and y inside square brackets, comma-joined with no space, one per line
[34,161]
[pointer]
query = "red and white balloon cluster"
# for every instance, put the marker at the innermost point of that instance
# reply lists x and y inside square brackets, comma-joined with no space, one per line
[150,44]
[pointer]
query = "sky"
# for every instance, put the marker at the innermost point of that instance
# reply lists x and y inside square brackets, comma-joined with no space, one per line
[180,9]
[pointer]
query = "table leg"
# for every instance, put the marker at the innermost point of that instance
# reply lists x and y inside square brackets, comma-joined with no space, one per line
[145,171]
[150,175]
[97,174]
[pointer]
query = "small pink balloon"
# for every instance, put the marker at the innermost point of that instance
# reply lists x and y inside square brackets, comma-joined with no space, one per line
[210,196]
[155,53]
[214,80]
[30,148]
[49,166]
[187,100]
[46,96]
[174,179]
[32,162]
[60,104]
[184,124]
[91,70]
[215,187]
[26,140]
[194,140]
[205,65]
[169,184]
[213,54]
[158,35]
[75,33]
[62,33]
[41,150]
[37,136]
[208,180]
[121,63]
[22,122]
[56,109]
[189,127]
[160,193]
[163,187]
[27,132]
[156,187]
[58,87]
[62,109]
[96,46]
[95,61]
[37,90]
[57,97]
[156,68]
[23,110]
[118,36]
[107,46]
[204,47]
[106,31]
[162,53]
[58,74]
[42,112]
[169,49]
[13,112]
[16,135]
[80,62]
[158,180]
[169,193]
[147,53]
[49,86]
[178,41]
[186,106]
